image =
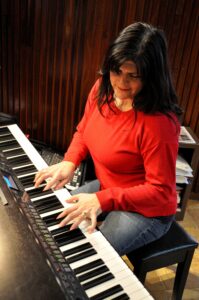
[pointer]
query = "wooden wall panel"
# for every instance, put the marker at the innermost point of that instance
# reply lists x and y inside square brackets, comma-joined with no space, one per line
[51,50]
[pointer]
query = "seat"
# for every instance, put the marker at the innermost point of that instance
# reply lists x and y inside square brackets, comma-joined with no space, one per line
[175,247]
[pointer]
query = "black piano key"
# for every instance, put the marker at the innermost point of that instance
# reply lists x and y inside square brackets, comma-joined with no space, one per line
[19,161]
[80,256]
[52,219]
[44,208]
[45,201]
[54,222]
[6,138]
[37,192]
[121,297]
[66,234]
[14,152]
[23,170]
[60,229]
[4,130]
[97,281]
[89,266]
[69,237]
[77,249]
[27,181]
[107,293]
[9,145]
[71,240]
[101,270]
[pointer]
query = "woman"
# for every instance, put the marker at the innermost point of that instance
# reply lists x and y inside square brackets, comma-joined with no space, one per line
[130,129]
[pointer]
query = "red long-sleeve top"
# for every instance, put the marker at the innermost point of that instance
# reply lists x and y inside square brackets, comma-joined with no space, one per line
[134,155]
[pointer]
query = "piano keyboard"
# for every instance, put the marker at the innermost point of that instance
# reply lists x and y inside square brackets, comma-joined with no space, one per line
[90,268]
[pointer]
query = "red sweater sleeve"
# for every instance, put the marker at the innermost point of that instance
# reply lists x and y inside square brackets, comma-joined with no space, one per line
[77,151]
[157,195]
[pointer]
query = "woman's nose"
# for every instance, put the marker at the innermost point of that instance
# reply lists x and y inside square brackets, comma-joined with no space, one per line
[124,80]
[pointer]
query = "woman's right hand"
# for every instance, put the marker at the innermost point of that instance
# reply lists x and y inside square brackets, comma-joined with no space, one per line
[58,175]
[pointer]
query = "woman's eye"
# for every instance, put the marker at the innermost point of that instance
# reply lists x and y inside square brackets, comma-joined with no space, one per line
[133,76]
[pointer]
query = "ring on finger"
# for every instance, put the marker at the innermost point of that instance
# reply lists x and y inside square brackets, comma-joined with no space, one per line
[75,201]
[84,214]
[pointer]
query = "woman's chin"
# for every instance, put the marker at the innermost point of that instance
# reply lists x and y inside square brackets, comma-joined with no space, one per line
[124,97]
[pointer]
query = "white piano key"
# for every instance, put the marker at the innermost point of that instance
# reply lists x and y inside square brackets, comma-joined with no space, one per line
[116,266]
[41,197]
[141,294]
[81,253]
[26,175]
[84,261]
[53,227]
[136,289]
[52,213]
[4,134]
[19,167]
[97,239]
[11,139]
[114,295]
[15,156]
[95,277]
[14,148]
[33,188]
[63,194]
[71,246]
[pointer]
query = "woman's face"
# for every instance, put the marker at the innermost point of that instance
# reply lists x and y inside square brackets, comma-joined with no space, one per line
[126,83]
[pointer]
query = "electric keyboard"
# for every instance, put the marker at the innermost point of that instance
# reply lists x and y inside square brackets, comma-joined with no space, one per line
[84,265]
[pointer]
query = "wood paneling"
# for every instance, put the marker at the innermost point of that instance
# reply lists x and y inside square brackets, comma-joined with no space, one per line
[51,50]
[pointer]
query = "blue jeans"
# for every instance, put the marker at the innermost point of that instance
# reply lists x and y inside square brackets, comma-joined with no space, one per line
[127,231]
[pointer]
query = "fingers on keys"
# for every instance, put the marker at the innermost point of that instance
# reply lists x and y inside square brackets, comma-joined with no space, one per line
[93,218]
[70,214]
[75,216]
[41,176]
[60,184]
[52,180]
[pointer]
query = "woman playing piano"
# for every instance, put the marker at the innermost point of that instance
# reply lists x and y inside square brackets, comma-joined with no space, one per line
[130,128]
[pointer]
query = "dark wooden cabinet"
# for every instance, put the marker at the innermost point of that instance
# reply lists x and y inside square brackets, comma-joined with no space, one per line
[190,152]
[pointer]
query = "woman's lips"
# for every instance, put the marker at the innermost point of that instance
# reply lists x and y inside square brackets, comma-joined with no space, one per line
[124,90]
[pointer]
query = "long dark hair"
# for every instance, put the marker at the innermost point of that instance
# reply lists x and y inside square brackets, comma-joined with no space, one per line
[146,46]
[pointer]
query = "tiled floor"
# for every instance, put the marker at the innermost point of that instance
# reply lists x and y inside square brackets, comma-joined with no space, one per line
[160,282]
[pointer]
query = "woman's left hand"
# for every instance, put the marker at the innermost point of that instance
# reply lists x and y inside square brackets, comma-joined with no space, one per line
[86,206]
